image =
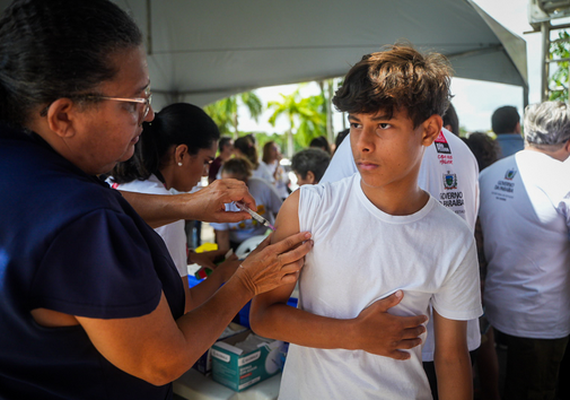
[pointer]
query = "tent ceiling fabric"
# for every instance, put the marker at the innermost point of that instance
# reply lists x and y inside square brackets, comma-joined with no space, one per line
[201,51]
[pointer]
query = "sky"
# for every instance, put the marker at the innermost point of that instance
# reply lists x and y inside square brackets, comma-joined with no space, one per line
[474,100]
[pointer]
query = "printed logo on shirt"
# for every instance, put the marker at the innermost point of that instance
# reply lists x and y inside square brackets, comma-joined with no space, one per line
[510,174]
[441,144]
[450,181]
[504,189]
[443,150]
[452,199]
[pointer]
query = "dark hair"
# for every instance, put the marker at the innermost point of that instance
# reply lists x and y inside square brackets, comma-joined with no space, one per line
[484,148]
[246,146]
[224,141]
[266,151]
[239,167]
[51,49]
[505,120]
[450,118]
[340,137]
[176,124]
[312,159]
[399,77]
[322,143]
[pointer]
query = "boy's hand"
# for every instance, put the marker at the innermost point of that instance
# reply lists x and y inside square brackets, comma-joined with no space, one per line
[384,334]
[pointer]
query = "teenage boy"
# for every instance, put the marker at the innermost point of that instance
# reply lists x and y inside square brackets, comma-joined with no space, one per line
[376,233]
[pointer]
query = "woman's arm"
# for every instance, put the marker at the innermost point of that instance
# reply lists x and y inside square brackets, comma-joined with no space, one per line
[197,295]
[207,204]
[374,330]
[452,361]
[158,349]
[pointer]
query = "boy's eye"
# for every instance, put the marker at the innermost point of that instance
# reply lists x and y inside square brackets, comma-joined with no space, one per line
[354,125]
[384,126]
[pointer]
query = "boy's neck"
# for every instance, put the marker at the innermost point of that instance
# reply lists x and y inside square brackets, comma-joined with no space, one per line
[402,200]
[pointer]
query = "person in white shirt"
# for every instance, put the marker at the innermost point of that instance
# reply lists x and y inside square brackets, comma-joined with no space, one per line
[525,218]
[173,153]
[449,172]
[245,146]
[427,253]
[272,159]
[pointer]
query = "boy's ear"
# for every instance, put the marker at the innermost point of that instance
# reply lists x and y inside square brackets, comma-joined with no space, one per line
[432,128]
[61,117]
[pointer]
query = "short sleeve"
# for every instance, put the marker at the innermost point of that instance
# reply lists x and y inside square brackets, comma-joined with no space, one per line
[99,266]
[459,297]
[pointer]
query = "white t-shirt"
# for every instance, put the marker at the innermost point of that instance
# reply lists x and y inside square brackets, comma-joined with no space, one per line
[268,205]
[449,172]
[173,234]
[525,202]
[430,255]
[281,180]
[262,172]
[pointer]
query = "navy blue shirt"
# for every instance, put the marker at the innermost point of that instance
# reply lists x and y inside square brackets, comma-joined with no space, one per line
[69,243]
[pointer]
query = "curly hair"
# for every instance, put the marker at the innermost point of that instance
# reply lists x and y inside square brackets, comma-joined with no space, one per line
[399,77]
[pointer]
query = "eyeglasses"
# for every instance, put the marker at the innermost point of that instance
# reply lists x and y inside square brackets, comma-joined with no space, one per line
[146,101]
[136,100]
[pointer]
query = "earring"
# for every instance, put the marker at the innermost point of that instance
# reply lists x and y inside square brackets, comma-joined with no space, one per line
[179,164]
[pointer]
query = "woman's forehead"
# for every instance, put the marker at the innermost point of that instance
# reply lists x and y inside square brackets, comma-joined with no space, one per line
[132,78]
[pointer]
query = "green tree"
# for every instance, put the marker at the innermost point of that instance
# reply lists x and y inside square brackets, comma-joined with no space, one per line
[558,82]
[304,116]
[224,112]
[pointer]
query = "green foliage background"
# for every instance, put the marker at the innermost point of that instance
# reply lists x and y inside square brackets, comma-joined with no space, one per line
[558,82]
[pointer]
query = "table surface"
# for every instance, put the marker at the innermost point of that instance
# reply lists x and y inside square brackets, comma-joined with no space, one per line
[195,386]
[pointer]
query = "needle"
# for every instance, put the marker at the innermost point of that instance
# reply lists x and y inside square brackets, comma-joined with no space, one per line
[254,215]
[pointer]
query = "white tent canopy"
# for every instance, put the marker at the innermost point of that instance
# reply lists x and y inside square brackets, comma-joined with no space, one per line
[201,51]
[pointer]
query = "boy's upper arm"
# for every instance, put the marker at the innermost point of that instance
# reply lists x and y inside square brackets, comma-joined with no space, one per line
[450,335]
[286,224]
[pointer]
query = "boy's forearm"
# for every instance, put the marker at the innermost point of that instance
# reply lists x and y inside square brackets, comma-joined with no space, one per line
[454,376]
[282,322]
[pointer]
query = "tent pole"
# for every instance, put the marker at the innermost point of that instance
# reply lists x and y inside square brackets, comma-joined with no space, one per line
[545,30]
[149,27]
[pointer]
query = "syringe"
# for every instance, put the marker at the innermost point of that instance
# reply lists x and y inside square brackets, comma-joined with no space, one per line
[254,215]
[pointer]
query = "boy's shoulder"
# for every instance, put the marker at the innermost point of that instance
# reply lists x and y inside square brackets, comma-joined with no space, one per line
[332,188]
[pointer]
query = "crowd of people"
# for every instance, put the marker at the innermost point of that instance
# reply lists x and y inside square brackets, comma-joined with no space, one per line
[415,251]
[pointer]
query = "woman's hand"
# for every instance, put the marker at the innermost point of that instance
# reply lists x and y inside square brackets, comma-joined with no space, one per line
[208,204]
[270,266]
